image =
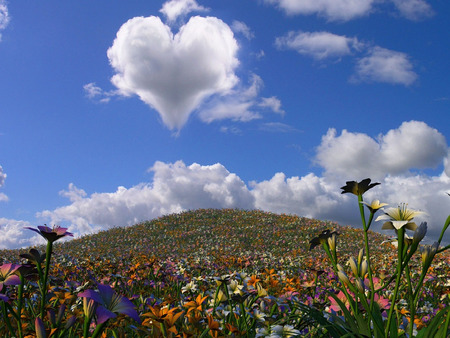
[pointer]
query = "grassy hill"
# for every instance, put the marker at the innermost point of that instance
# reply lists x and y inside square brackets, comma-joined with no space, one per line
[260,238]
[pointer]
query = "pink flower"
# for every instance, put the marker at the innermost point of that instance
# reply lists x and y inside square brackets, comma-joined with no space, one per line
[51,234]
[8,275]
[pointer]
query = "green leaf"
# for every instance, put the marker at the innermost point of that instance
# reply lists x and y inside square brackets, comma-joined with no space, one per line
[432,329]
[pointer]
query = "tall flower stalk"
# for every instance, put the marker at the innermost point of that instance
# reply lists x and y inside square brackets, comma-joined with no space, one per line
[51,235]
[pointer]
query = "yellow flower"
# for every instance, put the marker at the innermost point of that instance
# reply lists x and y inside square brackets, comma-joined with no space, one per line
[399,217]
[375,205]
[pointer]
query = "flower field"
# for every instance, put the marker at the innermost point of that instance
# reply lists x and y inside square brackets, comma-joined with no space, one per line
[202,273]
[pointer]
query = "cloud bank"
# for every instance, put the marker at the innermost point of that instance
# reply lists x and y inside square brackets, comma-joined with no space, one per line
[393,159]
[345,10]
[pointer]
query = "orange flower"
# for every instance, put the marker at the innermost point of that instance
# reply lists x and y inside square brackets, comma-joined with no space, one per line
[253,280]
[195,305]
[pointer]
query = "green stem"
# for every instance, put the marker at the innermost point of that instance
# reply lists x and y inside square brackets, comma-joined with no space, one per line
[412,306]
[400,241]
[20,304]
[46,271]
[98,330]
[5,315]
[366,247]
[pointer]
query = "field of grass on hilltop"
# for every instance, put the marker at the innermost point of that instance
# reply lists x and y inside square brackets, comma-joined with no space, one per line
[207,272]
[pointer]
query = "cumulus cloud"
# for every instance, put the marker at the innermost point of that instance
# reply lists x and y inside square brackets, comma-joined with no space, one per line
[391,159]
[319,45]
[414,145]
[384,65]
[175,187]
[341,10]
[13,235]
[176,8]
[4,16]
[3,197]
[171,73]
[414,9]
[241,27]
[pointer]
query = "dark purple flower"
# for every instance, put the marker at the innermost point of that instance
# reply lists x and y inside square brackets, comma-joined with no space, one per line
[358,188]
[51,234]
[110,303]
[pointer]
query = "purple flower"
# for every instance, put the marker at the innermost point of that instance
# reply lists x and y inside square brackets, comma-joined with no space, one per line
[51,234]
[8,275]
[110,303]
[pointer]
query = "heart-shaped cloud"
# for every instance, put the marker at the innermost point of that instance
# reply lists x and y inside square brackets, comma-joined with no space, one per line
[174,74]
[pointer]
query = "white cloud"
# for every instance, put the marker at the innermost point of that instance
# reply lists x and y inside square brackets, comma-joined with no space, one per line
[176,8]
[241,27]
[319,45]
[341,10]
[277,127]
[240,104]
[94,92]
[414,9]
[272,103]
[4,16]
[391,159]
[13,235]
[414,145]
[3,197]
[175,187]
[174,74]
[384,65]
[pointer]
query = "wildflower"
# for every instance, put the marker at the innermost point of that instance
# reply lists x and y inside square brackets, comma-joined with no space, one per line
[195,305]
[191,286]
[8,275]
[51,234]
[34,256]
[399,217]
[283,331]
[261,291]
[110,303]
[358,188]
[235,288]
[374,206]
[322,238]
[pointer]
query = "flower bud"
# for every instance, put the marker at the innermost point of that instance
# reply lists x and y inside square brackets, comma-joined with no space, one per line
[420,233]
[343,277]
[360,285]
[332,242]
[364,268]
[360,256]
[353,266]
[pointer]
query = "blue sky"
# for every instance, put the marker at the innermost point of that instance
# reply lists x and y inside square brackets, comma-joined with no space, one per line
[117,112]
